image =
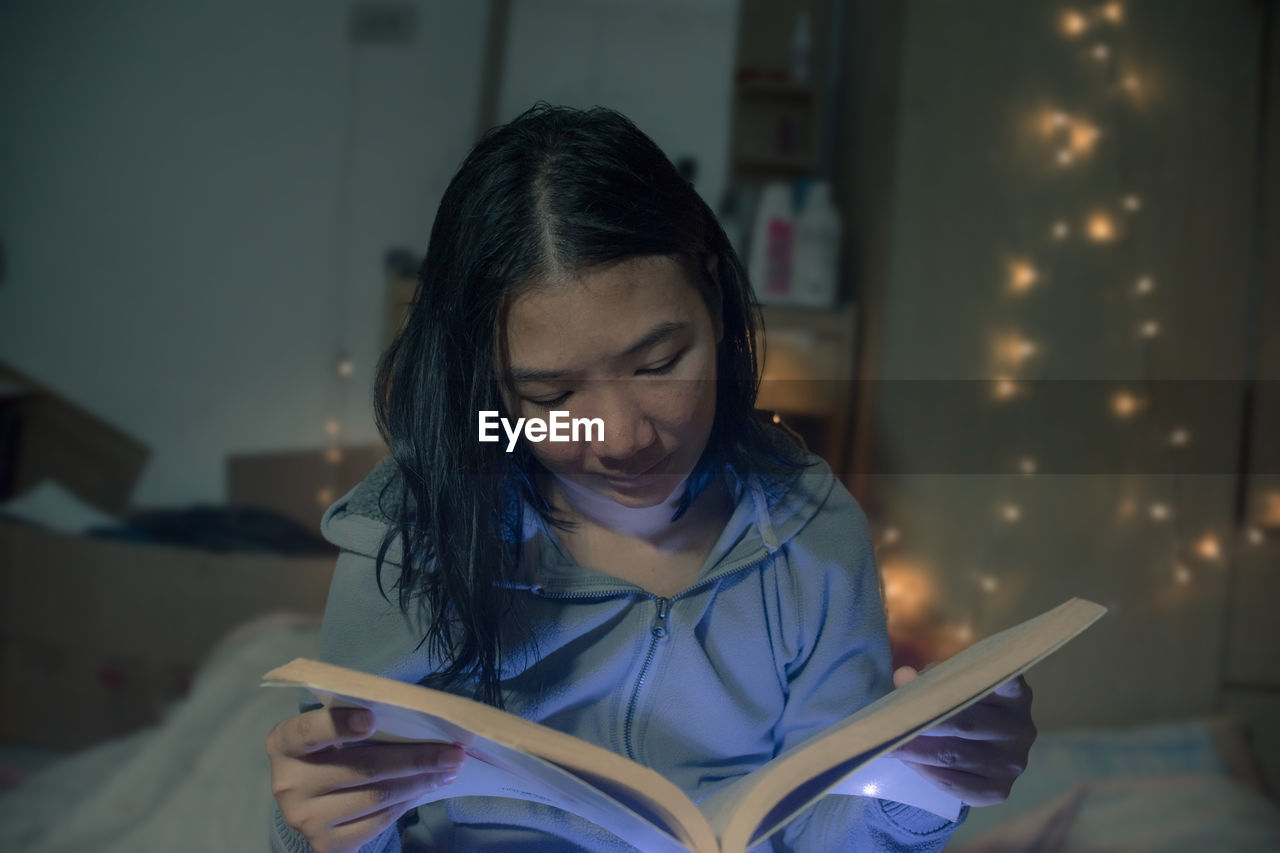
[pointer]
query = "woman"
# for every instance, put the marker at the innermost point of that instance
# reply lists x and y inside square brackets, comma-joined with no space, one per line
[689,588]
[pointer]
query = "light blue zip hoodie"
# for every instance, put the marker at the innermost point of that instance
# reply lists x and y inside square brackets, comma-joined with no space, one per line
[781,635]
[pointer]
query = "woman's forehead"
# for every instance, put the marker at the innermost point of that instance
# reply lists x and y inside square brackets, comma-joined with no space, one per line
[600,310]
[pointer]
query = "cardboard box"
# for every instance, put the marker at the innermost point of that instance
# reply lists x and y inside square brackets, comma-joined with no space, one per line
[99,636]
[299,484]
[44,436]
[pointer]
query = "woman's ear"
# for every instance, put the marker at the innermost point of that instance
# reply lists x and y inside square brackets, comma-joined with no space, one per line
[715,299]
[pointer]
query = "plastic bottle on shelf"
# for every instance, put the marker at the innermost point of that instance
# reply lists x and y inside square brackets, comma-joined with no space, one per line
[816,271]
[772,242]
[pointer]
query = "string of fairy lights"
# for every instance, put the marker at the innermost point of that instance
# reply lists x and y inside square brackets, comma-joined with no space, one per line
[1071,140]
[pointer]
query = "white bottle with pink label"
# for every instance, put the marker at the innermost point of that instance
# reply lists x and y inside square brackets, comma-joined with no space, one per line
[773,245]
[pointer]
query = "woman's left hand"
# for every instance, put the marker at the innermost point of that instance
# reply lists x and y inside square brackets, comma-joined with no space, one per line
[979,753]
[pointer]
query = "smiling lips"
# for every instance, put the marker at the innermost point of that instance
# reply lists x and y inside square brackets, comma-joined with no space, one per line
[631,478]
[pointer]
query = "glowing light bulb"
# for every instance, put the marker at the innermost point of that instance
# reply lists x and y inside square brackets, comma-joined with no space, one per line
[1083,137]
[324,497]
[1101,52]
[1011,512]
[964,633]
[344,368]
[1149,329]
[331,426]
[1124,404]
[1181,575]
[1004,389]
[1061,230]
[1179,437]
[1073,23]
[333,455]
[989,583]
[1100,228]
[1208,547]
[1255,535]
[1114,12]
[890,536]
[1159,512]
[1027,465]
[1022,276]
[1012,350]
[777,419]
[1051,121]
[1132,84]
[908,589]
[1271,509]
[1127,508]
[1144,285]
[1065,157]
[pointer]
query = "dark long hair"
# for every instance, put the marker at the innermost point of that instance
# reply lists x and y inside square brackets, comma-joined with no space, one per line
[556,191]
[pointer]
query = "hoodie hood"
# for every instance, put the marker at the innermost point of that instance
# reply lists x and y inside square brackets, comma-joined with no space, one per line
[358,521]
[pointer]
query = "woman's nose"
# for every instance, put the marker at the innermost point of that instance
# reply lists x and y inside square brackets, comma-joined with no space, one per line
[627,428]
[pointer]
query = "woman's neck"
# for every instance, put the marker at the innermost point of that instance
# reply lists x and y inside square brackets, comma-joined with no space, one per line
[651,523]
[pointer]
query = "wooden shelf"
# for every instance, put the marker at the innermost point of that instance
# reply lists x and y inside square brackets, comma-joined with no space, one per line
[809,372]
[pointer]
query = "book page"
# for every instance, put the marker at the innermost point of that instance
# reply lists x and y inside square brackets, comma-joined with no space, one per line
[762,802]
[887,778]
[493,770]
[540,763]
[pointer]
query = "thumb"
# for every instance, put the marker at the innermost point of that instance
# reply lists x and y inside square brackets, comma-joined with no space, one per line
[904,675]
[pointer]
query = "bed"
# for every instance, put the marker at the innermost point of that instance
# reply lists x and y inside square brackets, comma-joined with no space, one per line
[142,729]
[198,781]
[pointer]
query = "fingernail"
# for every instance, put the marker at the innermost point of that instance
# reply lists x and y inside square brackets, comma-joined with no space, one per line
[360,721]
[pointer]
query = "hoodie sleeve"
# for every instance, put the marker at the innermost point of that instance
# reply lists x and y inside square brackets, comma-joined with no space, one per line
[835,660]
[361,629]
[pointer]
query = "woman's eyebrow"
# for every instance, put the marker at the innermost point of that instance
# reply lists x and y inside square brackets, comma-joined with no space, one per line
[654,335]
[660,332]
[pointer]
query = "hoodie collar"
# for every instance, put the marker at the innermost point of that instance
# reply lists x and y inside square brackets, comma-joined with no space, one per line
[758,527]
[765,517]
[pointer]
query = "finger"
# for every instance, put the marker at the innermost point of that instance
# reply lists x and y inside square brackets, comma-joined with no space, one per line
[356,833]
[971,788]
[324,728]
[361,765]
[904,675]
[982,721]
[351,804]
[1014,688]
[974,756]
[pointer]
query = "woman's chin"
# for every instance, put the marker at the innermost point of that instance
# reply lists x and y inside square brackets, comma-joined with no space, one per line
[647,490]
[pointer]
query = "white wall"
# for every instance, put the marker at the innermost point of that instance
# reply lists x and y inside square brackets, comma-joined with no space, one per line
[172,211]
[665,64]
[185,256]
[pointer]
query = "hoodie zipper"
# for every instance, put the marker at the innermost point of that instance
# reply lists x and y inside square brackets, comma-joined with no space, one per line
[658,631]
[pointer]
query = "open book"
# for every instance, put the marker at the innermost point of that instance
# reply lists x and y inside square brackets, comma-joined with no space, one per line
[511,757]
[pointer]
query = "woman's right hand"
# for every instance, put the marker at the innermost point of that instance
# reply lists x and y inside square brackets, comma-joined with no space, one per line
[340,791]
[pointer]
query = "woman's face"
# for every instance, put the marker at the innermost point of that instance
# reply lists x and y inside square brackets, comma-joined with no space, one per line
[634,345]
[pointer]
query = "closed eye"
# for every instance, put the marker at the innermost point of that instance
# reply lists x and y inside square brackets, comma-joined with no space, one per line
[549,404]
[666,367]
